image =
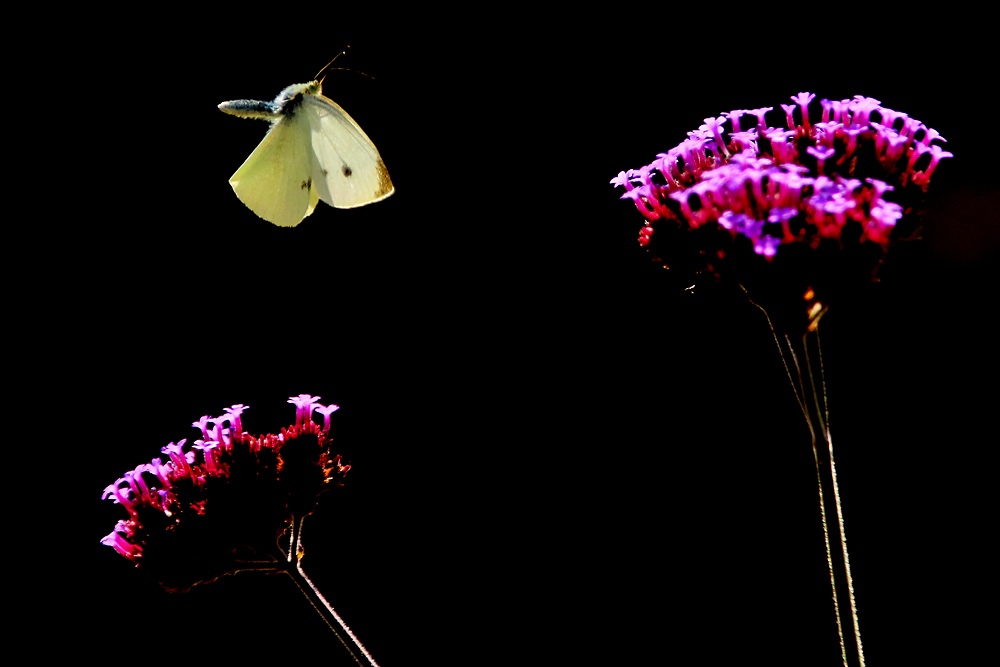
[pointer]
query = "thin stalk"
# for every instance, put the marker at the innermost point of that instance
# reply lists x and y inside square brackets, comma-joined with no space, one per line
[324,608]
[290,563]
[812,400]
[826,468]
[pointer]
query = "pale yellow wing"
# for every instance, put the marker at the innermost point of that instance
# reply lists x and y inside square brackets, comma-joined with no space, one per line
[347,169]
[275,182]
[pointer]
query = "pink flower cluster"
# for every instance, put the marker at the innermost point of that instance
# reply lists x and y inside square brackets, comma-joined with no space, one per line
[216,495]
[793,184]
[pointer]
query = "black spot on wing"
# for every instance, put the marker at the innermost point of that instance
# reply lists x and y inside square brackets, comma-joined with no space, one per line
[306,184]
[347,171]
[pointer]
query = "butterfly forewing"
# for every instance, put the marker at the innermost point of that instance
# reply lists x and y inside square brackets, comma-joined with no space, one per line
[347,169]
[275,182]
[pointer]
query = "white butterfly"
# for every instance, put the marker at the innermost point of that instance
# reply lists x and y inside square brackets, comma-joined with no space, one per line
[312,151]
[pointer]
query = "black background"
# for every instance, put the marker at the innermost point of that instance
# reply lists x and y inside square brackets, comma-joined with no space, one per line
[554,459]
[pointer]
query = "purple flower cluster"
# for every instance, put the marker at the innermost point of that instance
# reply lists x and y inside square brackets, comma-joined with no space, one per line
[188,513]
[796,184]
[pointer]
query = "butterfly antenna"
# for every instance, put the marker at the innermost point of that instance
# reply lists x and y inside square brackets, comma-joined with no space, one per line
[345,69]
[316,78]
[328,69]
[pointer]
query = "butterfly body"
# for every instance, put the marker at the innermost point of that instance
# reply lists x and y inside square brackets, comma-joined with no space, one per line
[313,151]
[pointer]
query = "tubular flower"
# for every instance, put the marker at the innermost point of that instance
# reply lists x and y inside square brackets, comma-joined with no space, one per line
[190,510]
[831,173]
[804,209]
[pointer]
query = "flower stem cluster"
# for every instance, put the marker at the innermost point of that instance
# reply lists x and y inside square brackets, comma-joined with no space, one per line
[189,511]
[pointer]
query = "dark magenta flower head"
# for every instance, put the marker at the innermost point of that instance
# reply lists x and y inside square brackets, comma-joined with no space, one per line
[846,184]
[189,511]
